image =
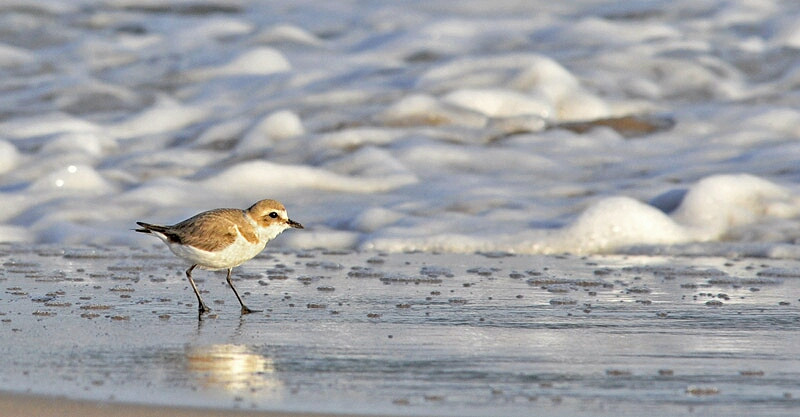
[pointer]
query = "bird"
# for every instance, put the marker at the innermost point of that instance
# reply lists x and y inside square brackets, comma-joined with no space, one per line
[223,238]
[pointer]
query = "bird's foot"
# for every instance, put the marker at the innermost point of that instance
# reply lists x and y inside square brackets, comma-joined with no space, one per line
[246,310]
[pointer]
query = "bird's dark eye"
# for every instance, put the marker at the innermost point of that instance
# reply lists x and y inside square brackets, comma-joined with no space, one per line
[274,215]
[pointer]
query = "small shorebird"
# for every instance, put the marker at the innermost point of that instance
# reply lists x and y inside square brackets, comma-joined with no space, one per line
[223,238]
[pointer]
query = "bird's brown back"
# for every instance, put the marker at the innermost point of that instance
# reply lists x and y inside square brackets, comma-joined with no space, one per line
[214,230]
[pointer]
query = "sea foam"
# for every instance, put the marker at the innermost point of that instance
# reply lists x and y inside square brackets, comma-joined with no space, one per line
[531,128]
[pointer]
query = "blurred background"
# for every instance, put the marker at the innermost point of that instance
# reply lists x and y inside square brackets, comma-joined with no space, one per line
[532,126]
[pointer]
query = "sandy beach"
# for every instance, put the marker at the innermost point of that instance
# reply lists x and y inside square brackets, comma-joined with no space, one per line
[90,331]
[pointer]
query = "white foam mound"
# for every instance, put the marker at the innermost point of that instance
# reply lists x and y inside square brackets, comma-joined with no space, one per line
[160,192]
[288,33]
[258,61]
[166,115]
[246,177]
[276,126]
[9,157]
[11,56]
[45,124]
[356,137]
[534,84]
[73,178]
[499,102]
[615,222]
[94,144]
[422,109]
[709,210]
[579,105]
[717,203]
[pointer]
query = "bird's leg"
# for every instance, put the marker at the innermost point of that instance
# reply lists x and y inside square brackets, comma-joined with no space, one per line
[245,310]
[202,308]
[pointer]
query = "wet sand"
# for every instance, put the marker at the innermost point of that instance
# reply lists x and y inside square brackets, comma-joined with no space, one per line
[108,331]
[44,406]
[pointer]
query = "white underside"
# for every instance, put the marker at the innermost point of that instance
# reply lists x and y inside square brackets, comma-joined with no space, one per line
[237,253]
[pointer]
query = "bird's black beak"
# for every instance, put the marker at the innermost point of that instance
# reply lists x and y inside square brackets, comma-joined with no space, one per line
[294,224]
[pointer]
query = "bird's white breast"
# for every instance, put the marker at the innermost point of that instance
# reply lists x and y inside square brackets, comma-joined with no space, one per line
[235,254]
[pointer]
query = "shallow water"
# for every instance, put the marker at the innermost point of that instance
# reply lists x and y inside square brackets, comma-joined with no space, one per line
[408,334]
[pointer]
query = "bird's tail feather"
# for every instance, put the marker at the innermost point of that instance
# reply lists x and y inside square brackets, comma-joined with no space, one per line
[149,228]
[162,232]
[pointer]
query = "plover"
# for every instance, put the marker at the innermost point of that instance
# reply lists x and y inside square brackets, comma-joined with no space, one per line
[223,238]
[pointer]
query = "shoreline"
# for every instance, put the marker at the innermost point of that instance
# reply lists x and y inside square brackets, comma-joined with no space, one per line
[28,404]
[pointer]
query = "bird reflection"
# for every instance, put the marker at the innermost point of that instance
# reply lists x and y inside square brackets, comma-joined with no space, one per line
[231,367]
